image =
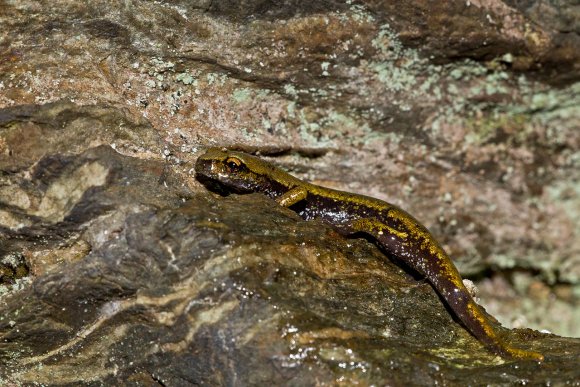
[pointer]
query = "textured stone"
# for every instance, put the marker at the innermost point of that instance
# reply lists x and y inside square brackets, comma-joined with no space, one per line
[465,113]
[135,277]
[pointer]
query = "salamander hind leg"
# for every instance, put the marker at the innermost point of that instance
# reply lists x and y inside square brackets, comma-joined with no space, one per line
[375,228]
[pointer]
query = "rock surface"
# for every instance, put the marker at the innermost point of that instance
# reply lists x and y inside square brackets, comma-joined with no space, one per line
[118,266]
[138,279]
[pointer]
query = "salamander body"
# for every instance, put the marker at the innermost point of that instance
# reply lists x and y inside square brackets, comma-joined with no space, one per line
[399,233]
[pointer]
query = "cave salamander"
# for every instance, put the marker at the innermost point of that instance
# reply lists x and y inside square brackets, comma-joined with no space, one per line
[395,230]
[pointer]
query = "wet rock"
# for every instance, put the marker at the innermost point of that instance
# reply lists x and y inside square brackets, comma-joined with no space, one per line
[134,277]
[184,288]
[29,132]
[463,112]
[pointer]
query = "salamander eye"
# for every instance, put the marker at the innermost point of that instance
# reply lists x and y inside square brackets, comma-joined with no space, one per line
[233,163]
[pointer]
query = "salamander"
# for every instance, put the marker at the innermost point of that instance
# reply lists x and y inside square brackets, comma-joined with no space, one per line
[395,230]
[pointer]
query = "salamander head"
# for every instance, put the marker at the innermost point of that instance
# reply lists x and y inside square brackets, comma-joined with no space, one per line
[235,171]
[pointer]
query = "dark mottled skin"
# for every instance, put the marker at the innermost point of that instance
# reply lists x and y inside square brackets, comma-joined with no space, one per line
[394,229]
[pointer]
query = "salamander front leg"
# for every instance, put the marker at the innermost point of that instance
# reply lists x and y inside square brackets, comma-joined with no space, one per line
[295,195]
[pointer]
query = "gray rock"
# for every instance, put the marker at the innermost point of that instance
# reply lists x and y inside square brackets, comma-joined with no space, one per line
[465,113]
[136,279]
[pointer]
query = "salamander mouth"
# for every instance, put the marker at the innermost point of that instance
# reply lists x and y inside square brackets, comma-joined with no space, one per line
[219,187]
[213,185]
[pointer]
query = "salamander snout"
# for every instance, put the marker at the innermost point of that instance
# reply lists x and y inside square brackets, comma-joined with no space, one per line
[225,168]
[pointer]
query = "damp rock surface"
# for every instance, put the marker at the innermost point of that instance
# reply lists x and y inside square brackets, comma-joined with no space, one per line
[136,278]
[116,265]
